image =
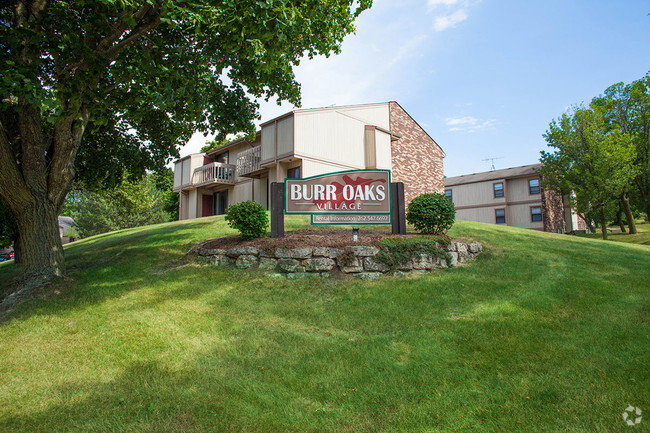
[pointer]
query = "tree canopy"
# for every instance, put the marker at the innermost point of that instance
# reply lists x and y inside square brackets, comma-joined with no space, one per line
[600,153]
[96,87]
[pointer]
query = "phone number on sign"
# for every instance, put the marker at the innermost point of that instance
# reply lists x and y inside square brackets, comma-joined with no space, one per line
[372,218]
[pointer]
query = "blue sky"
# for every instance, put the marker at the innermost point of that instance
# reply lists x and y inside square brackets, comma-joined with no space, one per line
[483,78]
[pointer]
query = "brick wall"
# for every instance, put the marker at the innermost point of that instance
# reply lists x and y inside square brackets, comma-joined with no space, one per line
[552,211]
[417,159]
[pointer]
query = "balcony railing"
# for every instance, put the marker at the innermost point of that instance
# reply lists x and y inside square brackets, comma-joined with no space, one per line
[215,172]
[248,161]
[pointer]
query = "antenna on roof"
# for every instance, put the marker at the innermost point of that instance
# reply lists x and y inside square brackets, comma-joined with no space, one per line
[492,161]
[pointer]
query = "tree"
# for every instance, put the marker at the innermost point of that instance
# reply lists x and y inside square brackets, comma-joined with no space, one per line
[627,107]
[591,159]
[80,76]
[133,203]
[214,144]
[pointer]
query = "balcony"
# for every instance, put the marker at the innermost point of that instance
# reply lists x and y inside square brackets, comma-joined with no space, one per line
[214,173]
[248,161]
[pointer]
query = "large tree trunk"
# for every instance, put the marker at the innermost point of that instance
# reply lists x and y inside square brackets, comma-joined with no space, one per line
[619,220]
[42,252]
[625,204]
[603,223]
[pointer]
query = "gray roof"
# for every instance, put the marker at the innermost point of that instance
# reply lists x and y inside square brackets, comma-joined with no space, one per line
[66,222]
[506,173]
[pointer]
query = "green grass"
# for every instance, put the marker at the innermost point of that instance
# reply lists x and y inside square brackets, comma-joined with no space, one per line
[642,237]
[541,333]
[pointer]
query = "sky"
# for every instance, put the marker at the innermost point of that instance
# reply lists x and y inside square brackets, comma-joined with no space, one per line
[484,78]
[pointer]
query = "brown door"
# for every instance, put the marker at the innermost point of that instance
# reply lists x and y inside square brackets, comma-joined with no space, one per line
[207,205]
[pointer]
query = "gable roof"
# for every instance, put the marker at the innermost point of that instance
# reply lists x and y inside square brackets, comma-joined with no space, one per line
[506,173]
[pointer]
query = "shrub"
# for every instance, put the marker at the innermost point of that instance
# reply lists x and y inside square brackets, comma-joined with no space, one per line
[249,218]
[431,214]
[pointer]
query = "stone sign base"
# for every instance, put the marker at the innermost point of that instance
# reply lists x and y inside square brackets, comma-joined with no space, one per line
[357,260]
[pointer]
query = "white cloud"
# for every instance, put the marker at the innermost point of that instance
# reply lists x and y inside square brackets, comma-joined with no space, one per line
[460,120]
[433,3]
[468,124]
[448,21]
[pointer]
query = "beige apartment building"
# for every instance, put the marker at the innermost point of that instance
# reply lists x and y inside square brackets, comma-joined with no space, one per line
[310,142]
[514,197]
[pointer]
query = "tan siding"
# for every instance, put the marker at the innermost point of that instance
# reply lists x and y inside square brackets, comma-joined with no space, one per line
[285,135]
[475,194]
[268,141]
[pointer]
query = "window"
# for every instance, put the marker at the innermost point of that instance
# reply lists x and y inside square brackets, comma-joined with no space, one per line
[222,158]
[498,189]
[293,173]
[535,213]
[500,216]
[448,194]
[533,186]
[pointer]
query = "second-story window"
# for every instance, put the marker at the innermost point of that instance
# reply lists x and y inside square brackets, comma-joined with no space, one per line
[448,194]
[222,158]
[498,189]
[293,173]
[533,186]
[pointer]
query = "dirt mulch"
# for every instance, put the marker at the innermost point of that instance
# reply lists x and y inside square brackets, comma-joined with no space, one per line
[305,238]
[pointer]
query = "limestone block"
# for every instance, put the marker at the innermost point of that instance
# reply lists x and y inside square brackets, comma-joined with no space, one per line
[370,264]
[362,250]
[287,265]
[268,263]
[318,264]
[236,252]
[332,253]
[245,261]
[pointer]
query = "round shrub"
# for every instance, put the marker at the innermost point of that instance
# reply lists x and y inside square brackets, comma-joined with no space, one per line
[249,218]
[431,214]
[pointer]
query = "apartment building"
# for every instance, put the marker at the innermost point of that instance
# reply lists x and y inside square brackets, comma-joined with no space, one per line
[310,142]
[514,197]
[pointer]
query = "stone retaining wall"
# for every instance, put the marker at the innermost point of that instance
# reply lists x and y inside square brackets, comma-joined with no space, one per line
[356,260]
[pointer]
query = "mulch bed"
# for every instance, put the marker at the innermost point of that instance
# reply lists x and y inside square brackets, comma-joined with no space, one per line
[306,238]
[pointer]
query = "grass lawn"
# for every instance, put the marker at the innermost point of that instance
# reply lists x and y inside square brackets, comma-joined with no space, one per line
[541,333]
[642,237]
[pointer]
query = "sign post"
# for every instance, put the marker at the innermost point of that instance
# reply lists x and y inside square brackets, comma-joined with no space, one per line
[277,210]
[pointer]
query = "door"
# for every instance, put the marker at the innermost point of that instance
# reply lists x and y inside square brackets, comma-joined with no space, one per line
[207,206]
[220,202]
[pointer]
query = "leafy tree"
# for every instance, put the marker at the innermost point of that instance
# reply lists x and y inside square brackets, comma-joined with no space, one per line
[216,143]
[627,107]
[589,158]
[133,203]
[163,180]
[124,83]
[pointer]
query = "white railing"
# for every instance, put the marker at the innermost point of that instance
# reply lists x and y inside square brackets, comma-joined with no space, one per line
[215,172]
[248,161]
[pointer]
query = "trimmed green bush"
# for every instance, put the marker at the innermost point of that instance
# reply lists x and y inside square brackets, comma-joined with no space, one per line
[431,214]
[249,218]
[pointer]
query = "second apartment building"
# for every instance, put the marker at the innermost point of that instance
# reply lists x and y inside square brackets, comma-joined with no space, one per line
[512,196]
[310,142]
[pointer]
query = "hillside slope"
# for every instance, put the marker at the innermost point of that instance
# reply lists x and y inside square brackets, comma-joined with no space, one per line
[540,333]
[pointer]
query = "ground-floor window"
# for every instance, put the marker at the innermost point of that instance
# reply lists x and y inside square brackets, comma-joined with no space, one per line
[536,213]
[293,173]
[220,202]
[448,195]
[500,216]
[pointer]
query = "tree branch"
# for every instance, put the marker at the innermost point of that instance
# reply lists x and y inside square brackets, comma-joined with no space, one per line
[66,141]
[12,185]
[147,19]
